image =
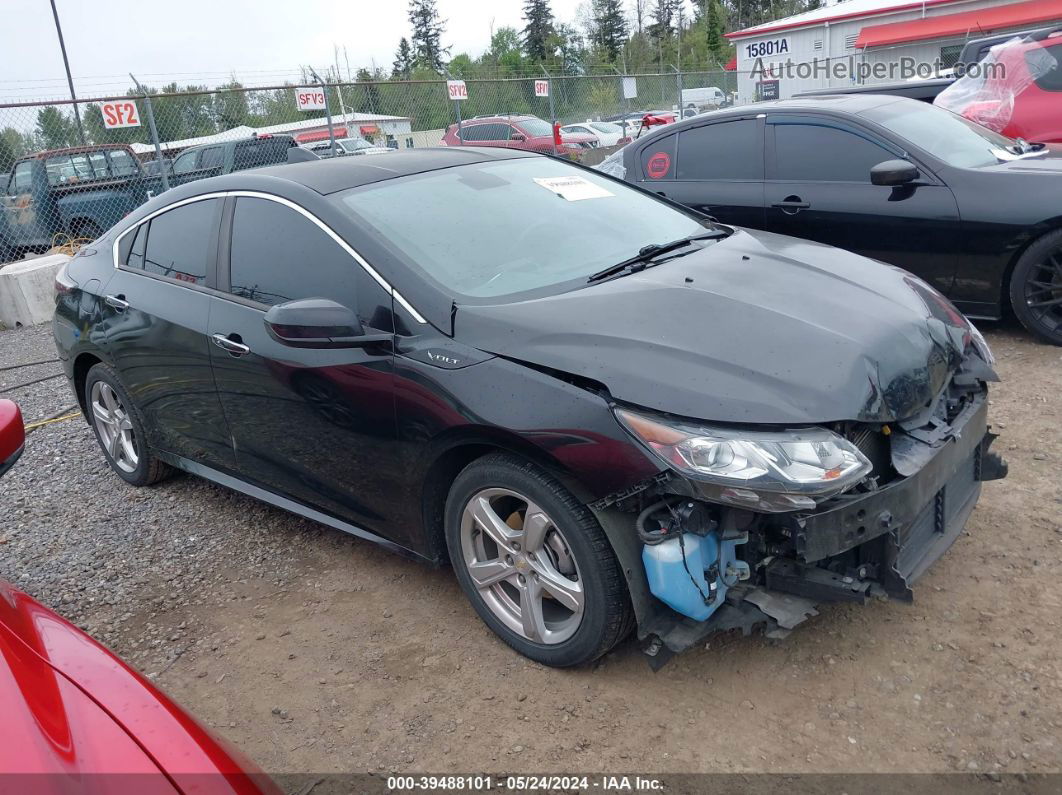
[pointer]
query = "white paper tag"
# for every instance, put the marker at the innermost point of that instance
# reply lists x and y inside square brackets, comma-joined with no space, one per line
[573,188]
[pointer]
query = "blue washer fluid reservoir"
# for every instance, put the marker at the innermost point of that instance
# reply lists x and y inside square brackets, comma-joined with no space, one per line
[672,584]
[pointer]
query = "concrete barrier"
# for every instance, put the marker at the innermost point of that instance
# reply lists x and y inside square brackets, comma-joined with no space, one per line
[27,290]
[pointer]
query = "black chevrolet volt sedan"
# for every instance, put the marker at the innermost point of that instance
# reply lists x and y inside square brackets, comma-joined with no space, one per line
[604,410]
[974,213]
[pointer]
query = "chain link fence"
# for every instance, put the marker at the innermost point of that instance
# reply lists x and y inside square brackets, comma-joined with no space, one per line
[69,170]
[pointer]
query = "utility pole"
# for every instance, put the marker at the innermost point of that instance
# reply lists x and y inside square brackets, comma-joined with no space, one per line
[69,79]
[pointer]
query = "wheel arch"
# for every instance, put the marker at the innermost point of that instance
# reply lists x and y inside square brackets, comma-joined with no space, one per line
[82,364]
[453,454]
[1029,239]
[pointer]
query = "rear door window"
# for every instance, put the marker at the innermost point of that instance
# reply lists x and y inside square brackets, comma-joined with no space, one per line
[182,243]
[122,163]
[131,249]
[210,158]
[730,150]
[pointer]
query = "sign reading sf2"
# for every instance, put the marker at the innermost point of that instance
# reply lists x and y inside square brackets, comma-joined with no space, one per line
[310,99]
[120,113]
[768,47]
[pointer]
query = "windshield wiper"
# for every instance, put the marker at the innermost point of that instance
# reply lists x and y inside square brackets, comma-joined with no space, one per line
[646,254]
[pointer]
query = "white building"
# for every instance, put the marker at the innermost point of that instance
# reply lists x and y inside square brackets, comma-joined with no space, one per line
[871,41]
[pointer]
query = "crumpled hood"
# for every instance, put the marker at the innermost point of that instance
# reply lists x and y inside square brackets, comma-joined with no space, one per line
[757,328]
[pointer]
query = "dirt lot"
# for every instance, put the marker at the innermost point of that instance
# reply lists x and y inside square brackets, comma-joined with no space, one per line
[313,651]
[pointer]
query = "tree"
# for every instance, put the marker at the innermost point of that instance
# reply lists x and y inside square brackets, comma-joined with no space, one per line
[55,130]
[13,144]
[427,33]
[403,65]
[230,106]
[609,27]
[713,20]
[538,30]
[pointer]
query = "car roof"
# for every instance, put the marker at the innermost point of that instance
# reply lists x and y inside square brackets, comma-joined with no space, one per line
[329,176]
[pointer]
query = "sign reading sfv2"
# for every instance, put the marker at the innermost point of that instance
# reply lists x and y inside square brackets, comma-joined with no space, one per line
[456,89]
[768,47]
[310,99]
[120,113]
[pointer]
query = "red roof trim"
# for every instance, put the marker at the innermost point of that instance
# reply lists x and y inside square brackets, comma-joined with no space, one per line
[983,20]
[739,34]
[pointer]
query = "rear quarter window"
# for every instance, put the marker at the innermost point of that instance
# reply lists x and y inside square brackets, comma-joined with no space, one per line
[658,159]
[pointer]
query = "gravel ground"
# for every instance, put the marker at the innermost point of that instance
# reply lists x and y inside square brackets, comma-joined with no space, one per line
[314,651]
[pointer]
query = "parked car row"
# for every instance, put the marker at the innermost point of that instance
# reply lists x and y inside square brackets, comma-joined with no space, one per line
[345,147]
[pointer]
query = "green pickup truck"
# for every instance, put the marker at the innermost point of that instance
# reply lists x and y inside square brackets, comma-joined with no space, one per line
[79,192]
[82,192]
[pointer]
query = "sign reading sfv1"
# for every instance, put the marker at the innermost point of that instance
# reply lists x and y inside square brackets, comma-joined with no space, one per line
[310,99]
[457,89]
[120,113]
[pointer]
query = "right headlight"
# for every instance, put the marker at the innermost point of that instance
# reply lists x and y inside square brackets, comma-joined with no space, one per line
[773,471]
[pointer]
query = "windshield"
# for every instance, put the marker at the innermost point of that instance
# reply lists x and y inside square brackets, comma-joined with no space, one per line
[951,138]
[606,127]
[354,145]
[535,127]
[501,228]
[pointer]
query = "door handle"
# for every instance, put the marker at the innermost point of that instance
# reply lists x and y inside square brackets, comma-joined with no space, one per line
[230,345]
[117,302]
[791,205]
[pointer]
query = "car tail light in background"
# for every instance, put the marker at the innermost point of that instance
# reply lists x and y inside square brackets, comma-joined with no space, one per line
[63,283]
[626,139]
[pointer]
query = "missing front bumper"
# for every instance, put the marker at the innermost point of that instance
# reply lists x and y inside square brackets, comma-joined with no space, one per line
[870,545]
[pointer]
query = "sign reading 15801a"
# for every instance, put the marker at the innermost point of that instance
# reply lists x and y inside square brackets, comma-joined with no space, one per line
[762,49]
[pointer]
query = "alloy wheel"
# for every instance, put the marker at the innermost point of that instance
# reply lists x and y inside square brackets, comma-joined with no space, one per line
[522,566]
[1043,291]
[114,427]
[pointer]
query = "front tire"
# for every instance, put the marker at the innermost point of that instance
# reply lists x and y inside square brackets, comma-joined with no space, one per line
[535,563]
[119,429]
[1036,288]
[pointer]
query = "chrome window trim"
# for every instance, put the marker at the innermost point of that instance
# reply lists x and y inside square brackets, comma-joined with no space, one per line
[252,194]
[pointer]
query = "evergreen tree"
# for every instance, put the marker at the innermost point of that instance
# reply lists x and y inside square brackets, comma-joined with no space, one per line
[403,64]
[713,15]
[428,51]
[610,27]
[538,30]
[55,130]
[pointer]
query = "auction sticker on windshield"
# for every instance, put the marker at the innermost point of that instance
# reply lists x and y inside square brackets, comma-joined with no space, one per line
[573,188]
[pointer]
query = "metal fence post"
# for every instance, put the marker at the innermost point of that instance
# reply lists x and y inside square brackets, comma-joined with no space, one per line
[150,113]
[678,82]
[552,112]
[328,112]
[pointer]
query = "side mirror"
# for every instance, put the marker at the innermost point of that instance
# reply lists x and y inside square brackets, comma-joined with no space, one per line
[12,435]
[315,323]
[893,172]
[518,137]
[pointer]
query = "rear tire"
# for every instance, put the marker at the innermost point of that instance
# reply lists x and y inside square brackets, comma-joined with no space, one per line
[1037,282]
[119,428]
[551,586]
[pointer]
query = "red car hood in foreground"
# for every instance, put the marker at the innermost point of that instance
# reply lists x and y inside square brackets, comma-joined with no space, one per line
[76,719]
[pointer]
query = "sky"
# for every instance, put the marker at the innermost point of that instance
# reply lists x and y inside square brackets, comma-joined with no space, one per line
[205,41]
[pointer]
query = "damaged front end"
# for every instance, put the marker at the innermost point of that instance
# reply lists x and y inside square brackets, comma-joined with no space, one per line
[836,513]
